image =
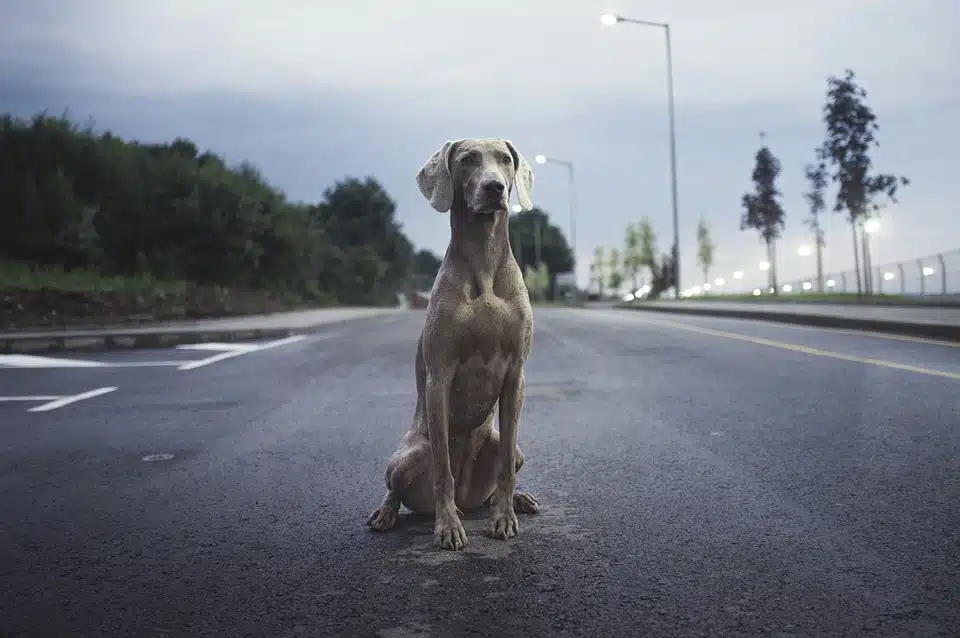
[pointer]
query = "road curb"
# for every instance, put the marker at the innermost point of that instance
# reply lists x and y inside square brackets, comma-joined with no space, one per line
[943,332]
[137,338]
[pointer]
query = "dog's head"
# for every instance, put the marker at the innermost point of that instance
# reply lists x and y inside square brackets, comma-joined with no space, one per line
[479,172]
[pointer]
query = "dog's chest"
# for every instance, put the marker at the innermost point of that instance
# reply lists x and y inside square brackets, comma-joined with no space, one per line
[489,328]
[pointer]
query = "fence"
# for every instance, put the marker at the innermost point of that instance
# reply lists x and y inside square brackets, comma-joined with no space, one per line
[934,275]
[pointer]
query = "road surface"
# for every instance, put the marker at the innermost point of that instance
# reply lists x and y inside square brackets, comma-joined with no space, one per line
[697,476]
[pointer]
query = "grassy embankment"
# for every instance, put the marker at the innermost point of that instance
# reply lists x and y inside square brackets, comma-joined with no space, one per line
[49,297]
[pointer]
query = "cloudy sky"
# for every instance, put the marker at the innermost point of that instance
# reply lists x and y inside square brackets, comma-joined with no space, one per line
[313,91]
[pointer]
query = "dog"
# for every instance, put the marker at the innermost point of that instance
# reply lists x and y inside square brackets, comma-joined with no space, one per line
[471,353]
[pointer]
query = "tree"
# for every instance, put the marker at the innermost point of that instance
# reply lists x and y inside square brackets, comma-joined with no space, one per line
[75,198]
[816,176]
[851,128]
[762,209]
[598,270]
[664,276]
[537,281]
[647,240]
[631,256]
[555,252]
[426,265]
[614,270]
[705,248]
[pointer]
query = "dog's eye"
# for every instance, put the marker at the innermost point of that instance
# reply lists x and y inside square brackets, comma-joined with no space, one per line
[469,158]
[506,159]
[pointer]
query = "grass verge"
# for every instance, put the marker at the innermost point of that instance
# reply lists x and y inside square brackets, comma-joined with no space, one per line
[49,297]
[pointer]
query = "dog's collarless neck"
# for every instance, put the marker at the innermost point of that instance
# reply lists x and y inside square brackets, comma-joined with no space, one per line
[482,245]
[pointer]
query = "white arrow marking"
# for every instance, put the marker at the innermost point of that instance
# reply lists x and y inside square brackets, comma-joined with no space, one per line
[230,350]
[62,401]
[220,347]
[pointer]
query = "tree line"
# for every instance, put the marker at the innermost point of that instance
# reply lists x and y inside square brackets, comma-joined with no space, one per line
[842,159]
[79,199]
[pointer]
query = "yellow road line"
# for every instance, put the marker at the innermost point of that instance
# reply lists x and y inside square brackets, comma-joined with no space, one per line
[804,349]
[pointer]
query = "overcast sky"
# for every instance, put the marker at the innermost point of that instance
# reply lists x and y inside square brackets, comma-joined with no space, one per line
[312,91]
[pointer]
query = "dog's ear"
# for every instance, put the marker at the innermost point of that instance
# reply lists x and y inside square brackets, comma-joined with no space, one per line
[524,177]
[435,179]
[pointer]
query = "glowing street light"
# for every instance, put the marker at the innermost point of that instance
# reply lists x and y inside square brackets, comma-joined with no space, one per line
[719,282]
[927,271]
[517,208]
[609,19]
[831,283]
[764,265]
[804,251]
[540,159]
[889,276]
[738,274]
[871,226]
[756,292]
[807,285]
[787,288]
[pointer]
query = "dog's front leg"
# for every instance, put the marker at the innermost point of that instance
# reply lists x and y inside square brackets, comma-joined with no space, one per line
[448,532]
[503,524]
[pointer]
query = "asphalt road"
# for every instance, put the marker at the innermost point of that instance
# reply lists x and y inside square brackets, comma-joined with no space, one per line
[696,477]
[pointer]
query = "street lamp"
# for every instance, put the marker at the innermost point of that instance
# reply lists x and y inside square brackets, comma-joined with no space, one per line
[871,226]
[804,251]
[611,19]
[764,265]
[543,159]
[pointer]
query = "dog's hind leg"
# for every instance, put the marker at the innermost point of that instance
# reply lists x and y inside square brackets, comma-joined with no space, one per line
[484,480]
[409,478]
[403,474]
[385,516]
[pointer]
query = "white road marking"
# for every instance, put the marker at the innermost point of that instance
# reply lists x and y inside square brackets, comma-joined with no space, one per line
[220,347]
[29,399]
[223,356]
[142,364]
[31,361]
[223,351]
[231,350]
[162,456]
[35,362]
[64,401]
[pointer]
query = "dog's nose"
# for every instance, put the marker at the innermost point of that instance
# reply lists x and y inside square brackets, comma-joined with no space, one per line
[493,187]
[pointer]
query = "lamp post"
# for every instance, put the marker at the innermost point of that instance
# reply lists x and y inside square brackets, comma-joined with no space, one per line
[611,19]
[543,159]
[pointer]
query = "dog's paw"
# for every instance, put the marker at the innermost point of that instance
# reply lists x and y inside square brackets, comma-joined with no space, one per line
[504,524]
[383,518]
[525,503]
[448,533]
